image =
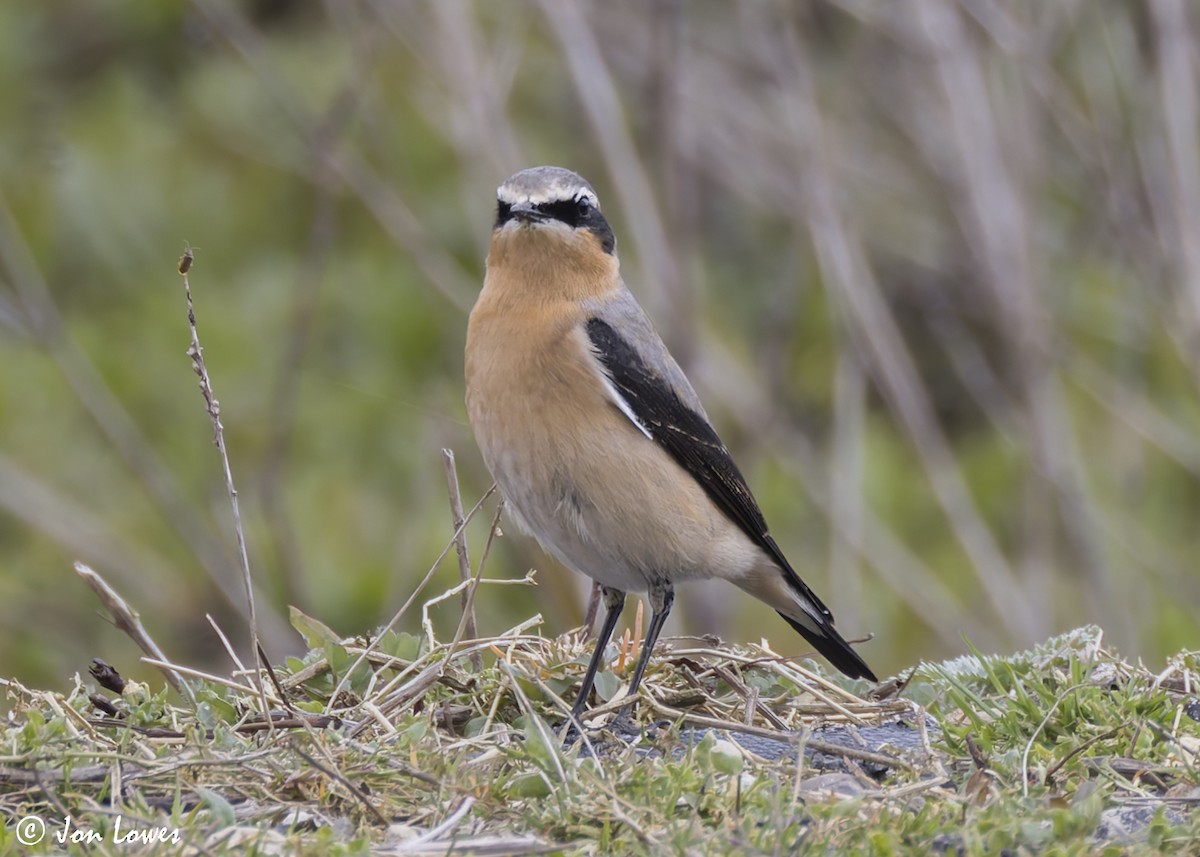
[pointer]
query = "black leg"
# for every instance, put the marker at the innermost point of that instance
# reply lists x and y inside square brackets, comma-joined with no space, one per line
[614,603]
[662,596]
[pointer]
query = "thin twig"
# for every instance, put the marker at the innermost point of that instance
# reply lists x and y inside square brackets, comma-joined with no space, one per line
[750,695]
[214,412]
[468,625]
[408,603]
[249,727]
[163,664]
[449,823]
[229,650]
[469,595]
[338,777]
[129,622]
[274,679]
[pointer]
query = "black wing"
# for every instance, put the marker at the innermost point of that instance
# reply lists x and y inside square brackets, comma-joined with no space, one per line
[688,437]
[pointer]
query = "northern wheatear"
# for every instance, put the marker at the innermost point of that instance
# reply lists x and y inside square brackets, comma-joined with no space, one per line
[593,434]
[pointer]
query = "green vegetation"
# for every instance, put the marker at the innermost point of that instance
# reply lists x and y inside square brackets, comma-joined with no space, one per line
[403,748]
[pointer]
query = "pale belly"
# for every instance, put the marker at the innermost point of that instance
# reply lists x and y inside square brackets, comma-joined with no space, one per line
[599,495]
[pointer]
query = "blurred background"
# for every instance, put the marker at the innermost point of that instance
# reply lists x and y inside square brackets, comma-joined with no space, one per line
[934,267]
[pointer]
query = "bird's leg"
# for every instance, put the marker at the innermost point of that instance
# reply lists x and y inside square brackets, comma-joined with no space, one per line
[589,617]
[662,596]
[614,603]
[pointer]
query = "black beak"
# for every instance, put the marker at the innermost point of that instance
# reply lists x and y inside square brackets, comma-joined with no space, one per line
[528,213]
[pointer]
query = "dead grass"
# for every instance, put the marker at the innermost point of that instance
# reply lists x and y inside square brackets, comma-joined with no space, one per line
[396,744]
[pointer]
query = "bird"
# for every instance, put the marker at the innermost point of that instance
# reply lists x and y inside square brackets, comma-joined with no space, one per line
[597,441]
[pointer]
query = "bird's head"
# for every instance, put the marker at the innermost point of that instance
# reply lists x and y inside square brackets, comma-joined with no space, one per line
[551,211]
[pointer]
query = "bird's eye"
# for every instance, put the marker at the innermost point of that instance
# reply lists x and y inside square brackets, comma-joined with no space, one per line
[583,206]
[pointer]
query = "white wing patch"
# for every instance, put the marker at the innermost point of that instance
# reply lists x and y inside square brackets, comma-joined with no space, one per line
[623,406]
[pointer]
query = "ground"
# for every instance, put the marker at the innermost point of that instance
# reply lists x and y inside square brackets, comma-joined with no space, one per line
[405,745]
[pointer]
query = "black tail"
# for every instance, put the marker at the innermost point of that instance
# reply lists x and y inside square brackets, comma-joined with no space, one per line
[836,650]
